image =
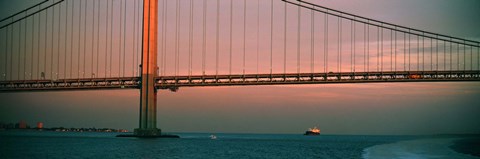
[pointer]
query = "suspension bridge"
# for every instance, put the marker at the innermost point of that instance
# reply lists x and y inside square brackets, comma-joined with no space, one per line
[61,45]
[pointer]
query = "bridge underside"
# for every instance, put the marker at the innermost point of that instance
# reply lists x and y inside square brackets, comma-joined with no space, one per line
[174,82]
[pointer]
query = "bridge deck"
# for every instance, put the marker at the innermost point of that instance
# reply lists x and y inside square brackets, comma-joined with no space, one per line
[174,82]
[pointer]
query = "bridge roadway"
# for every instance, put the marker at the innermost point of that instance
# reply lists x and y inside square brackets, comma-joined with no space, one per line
[174,82]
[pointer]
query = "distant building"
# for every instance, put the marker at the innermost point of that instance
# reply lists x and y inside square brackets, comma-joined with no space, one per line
[39,125]
[22,124]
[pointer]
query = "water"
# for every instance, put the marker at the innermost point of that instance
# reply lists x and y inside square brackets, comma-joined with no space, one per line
[34,144]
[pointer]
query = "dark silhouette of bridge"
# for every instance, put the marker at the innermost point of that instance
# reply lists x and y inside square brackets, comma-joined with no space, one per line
[61,45]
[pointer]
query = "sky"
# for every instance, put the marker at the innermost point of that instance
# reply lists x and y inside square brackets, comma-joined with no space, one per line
[373,109]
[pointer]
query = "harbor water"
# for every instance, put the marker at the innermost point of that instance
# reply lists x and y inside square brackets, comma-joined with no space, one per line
[47,144]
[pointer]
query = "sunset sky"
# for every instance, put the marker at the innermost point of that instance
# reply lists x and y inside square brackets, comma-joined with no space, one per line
[382,108]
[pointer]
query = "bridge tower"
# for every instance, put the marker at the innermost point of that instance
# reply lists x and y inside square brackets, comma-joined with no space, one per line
[149,69]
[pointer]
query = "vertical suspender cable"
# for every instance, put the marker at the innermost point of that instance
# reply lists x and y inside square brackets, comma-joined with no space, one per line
[218,38]
[19,69]
[458,56]
[339,62]
[120,47]
[135,43]
[204,36]
[365,41]
[162,43]
[19,50]
[51,49]
[395,49]
[391,50]
[176,38]
[190,39]
[31,47]
[258,30]
[92,37]
[285,39]
[164,52]
[7,49]
[58,42]
[471,58]
[165,39]
[464,55]
[6,53]
[404,51]
[25,50]
[140,33]
[418,53]
[124,34]
[312,58]
[231,24]
[244,32]
[71,41]
[436,51]
[10,74]
[111,38]
[409,57]
[271,36]
[298,38]
[11,51]
[65,42]
[351,45]
[444,55]
[106,39]
[231,27]
[45,46]
[19,53]
[451,61]
[423,51]
[381,48]
[378,49]
[431,54]
[341,41]
[98,37]
[79,39]
[84,38]
[354,47]
[368,48]
[326,44]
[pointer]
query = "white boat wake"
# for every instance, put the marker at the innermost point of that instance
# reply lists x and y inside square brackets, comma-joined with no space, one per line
[416,149]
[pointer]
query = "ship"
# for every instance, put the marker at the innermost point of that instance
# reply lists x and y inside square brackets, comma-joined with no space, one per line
[312,131]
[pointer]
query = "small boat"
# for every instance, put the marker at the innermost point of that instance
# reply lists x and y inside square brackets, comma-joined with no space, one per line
[213,137]
[312,131]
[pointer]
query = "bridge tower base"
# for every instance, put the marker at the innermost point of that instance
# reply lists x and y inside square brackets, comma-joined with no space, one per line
[149,69]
